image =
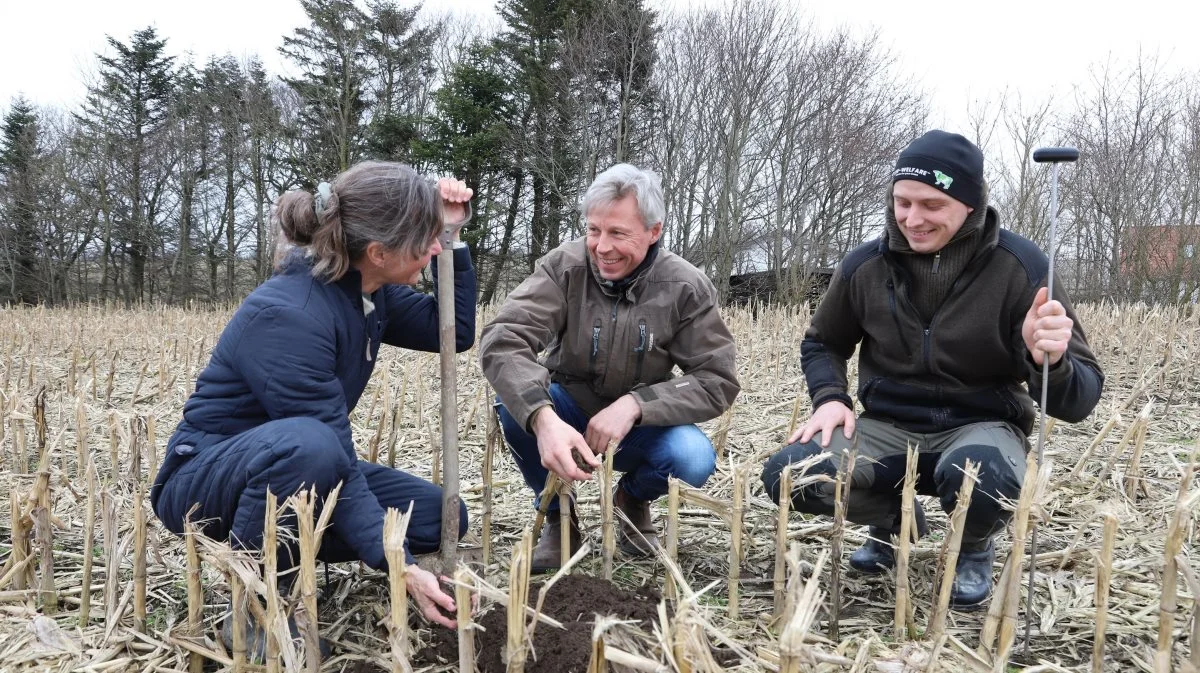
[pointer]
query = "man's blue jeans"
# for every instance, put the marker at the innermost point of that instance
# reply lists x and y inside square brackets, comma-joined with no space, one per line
[649,455]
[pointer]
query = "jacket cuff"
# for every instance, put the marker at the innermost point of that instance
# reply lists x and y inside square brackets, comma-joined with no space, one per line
[1060,372]
[530,401]
[462,259]
[646,409]
[830,394]
[376,558]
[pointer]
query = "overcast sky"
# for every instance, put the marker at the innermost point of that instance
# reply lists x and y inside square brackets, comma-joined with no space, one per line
[958,50]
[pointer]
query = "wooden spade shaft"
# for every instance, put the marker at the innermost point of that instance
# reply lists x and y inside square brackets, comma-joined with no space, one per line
[450,492]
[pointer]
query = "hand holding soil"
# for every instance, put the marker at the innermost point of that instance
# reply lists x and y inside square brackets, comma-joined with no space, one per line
[562,447]
[425,589]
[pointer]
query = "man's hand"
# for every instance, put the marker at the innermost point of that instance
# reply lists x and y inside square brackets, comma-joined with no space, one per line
[1047,329]
[556,440]
[612,423]
[825,420]
[455,197]
[425,589]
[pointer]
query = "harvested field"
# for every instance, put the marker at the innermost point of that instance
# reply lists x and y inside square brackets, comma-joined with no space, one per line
[114,383]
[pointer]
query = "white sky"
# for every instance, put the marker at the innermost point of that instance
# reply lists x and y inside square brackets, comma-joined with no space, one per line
[958,50]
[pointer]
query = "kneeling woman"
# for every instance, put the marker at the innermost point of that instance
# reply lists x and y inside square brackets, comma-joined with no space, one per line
[271,409]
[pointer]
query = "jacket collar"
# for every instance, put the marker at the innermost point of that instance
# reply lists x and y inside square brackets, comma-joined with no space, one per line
[350,284]
[987,218]
[627,285]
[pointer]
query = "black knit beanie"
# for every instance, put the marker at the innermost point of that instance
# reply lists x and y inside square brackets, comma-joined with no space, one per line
[947,161]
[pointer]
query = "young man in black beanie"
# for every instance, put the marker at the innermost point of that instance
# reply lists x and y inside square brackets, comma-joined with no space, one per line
[950,315]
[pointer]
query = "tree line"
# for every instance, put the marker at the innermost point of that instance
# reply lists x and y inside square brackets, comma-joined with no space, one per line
[774,139]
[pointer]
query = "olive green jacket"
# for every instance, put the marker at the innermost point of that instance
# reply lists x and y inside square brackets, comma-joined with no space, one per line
[600,343]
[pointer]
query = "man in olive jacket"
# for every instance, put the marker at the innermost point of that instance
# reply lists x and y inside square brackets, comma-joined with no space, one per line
[614,314]
[952,321]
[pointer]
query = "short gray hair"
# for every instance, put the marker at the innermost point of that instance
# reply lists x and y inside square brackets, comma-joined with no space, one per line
[622,180]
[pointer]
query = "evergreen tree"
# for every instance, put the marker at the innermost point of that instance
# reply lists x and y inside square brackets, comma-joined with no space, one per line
[129,106]
[224,88]
[19,159]
[401,56]
[330,54]
[471,135]
[532,47]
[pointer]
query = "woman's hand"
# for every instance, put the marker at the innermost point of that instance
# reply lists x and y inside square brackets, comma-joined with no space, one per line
[425,589]
[456,199]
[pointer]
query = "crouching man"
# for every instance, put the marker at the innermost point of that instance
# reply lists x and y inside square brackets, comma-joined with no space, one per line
[952,322]
[613,313]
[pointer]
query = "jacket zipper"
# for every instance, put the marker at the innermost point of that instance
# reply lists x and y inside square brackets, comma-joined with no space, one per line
[367,332]
[615,337]
[640,350]
[937,261]
[595,348]
[891,286]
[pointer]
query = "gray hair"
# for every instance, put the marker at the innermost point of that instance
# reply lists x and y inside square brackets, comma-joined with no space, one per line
[622,180]
[372,201]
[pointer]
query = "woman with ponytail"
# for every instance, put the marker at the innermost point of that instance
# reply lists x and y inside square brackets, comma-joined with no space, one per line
[271,408]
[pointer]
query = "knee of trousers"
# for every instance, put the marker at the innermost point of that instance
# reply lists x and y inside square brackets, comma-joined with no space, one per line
[811,499]
[464,522]
[310,450]
[693,458]
[426,536]
[998,482]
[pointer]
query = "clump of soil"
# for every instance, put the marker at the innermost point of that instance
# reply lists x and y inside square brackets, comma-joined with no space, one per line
[574,600]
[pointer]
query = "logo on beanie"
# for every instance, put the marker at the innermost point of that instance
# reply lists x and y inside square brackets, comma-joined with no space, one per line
[910,173]
[942,180]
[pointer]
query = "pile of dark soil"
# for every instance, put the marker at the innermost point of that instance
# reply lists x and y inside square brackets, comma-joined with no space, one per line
[574,600]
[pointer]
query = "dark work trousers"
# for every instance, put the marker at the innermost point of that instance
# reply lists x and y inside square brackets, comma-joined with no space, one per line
[878,479]
[230,478]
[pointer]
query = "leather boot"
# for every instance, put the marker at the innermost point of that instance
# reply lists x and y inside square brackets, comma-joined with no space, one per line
[973,574]
[547,554]
[877,555]
[640,538]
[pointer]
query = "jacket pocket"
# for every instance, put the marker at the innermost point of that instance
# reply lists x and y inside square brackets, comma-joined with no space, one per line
[867,390]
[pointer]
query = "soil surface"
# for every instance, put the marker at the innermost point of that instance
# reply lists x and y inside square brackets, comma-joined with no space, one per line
[574,600]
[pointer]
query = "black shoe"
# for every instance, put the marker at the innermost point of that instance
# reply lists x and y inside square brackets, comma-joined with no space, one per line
[973,575]
[256,639]
[877,555]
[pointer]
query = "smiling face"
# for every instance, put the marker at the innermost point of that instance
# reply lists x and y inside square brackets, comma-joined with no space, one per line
[617,240]
[926,215]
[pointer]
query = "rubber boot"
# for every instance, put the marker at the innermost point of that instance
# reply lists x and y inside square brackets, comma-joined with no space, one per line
[973,574]
[877,555]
